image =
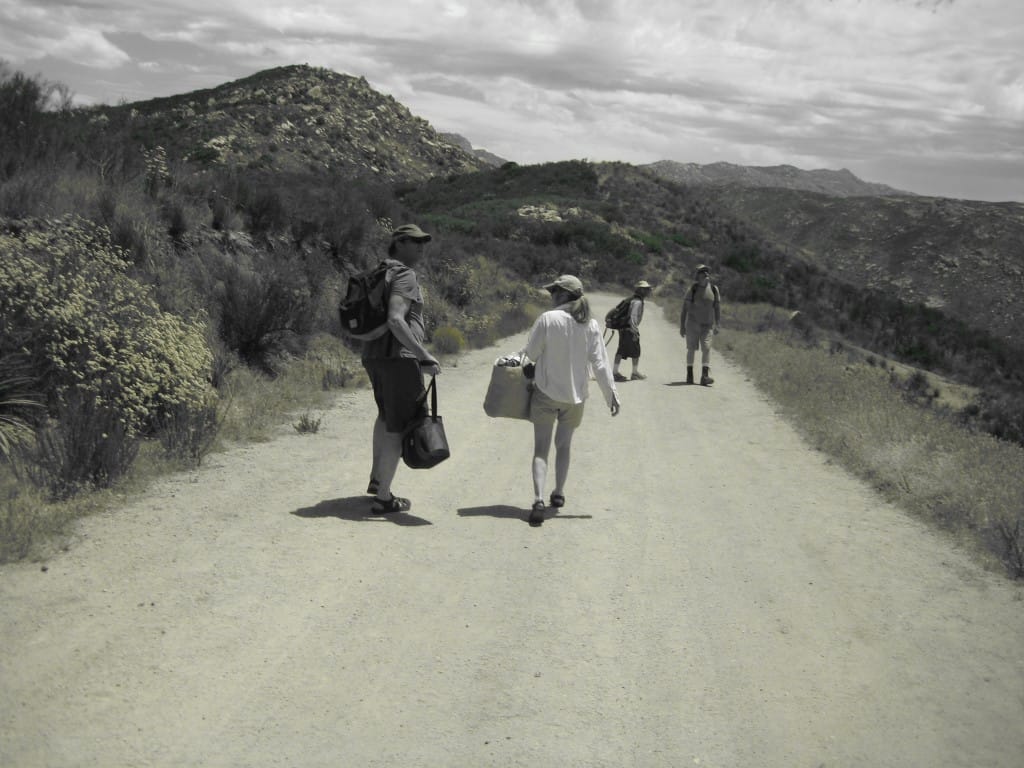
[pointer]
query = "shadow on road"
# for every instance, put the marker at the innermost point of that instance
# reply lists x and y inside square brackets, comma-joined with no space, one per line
[516,513]
[356,509]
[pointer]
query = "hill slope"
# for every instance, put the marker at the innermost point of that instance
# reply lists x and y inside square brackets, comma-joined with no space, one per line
[296,118]
[962,257]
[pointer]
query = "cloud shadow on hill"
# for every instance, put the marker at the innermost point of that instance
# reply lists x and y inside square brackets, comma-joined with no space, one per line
[356,509]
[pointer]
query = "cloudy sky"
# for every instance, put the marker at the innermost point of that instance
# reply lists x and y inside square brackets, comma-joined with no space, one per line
[924,95]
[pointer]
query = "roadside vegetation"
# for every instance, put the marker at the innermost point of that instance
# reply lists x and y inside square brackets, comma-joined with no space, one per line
[904,431]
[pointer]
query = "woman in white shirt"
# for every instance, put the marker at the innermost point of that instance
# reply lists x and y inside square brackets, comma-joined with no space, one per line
[565,345]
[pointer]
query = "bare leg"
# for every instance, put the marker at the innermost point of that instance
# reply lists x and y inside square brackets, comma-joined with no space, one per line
[387,450]
[541,449]
[618,361]
[563,456]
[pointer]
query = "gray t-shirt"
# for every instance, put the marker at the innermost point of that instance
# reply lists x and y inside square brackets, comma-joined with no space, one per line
[402,282]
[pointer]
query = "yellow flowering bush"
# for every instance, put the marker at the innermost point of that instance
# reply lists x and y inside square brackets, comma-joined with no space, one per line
[90,333]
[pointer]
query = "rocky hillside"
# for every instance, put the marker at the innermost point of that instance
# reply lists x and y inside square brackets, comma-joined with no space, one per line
[295,118]
[840,183]
[964,257]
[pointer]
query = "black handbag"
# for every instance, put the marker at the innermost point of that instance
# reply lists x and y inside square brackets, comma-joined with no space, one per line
[424,444]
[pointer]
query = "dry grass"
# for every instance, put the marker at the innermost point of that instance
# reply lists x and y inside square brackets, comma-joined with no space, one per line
[965,482]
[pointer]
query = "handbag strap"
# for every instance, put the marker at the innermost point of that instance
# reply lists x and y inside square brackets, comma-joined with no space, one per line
[432,391]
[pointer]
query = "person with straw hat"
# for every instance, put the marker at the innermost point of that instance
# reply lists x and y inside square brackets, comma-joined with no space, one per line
[629,338]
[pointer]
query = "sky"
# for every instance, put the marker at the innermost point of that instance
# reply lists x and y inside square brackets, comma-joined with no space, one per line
[923,95]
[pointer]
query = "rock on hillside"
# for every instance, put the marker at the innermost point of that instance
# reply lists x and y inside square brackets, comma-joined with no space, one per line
[296,118]
[964,257]
[840,183]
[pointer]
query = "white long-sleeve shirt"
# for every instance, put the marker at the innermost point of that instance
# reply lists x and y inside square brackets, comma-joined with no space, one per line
[565,352]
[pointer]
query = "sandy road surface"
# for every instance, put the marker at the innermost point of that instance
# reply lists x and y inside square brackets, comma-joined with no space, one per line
[714,593]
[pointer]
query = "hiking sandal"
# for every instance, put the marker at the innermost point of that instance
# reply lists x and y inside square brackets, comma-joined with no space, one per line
[394,504]
[373,486]
[557,500]
[537,513]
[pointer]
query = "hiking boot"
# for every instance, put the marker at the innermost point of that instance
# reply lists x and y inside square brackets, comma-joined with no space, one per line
[637,377]
[705,378]
[537,513]
[689,374]
[619,377]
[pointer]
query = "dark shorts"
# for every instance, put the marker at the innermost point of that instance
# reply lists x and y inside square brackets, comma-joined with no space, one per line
[629,344]
[397,386]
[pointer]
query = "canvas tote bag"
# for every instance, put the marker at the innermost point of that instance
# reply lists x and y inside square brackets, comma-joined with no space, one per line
[508,393]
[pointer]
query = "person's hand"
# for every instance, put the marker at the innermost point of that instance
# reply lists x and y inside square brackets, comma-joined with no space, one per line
[715,330]
[615,406]
[430,366]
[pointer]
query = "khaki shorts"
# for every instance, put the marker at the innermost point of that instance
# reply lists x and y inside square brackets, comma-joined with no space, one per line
[699,335]
[544,410]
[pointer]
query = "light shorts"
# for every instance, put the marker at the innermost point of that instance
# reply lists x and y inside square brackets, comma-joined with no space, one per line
[544,410]
[699,335]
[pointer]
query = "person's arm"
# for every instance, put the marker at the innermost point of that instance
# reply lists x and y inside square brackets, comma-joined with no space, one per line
[398,308]
[635,308]
[682,315]
[718,309]
[602,368]
[534,342]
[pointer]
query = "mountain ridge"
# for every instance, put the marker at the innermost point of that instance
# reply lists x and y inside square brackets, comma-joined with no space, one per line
[841,183]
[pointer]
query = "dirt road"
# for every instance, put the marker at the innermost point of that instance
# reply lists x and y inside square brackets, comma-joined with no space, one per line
[714,594]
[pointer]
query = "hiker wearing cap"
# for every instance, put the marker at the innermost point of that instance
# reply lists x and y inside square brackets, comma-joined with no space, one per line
[565,346]
[700,318]
[629,337]
[395,363]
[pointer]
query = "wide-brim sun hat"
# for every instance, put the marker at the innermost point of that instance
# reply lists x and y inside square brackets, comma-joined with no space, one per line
[410,232]
[702,268]
[641,284]
[568,283]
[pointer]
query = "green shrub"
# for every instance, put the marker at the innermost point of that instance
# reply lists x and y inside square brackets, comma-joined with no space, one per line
[448,340]
[108,362]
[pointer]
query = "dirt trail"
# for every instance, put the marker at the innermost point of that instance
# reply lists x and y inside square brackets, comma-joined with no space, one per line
[714,593]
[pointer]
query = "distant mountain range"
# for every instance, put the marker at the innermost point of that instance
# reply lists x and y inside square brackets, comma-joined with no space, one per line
[839,183]
[482,154]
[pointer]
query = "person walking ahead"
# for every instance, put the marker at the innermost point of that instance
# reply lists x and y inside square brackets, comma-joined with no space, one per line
[395,363]
[700,318]
[629,338]
[565,345]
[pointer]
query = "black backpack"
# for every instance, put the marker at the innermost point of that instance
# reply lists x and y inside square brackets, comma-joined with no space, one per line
[365,306]
[617,318]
